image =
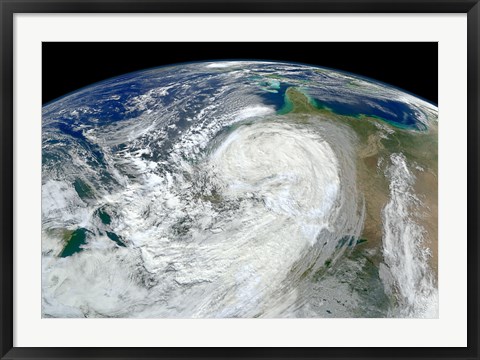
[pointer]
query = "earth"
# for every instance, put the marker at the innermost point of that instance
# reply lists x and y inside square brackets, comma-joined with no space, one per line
[249,189]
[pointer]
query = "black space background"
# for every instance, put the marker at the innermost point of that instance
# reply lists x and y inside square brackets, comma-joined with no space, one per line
[69,66]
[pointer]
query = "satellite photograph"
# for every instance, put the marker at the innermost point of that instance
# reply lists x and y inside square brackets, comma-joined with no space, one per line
[239,180]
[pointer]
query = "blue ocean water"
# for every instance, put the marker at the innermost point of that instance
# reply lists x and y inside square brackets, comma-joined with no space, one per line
[394,112]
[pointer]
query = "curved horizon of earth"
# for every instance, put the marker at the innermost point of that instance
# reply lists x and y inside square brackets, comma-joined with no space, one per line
[228,189]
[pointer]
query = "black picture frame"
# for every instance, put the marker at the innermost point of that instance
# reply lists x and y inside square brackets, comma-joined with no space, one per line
[10,7]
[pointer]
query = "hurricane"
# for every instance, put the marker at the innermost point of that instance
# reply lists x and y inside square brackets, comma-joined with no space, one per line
[249,189]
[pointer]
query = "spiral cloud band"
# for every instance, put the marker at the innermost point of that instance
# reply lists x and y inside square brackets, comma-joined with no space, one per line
[238,189]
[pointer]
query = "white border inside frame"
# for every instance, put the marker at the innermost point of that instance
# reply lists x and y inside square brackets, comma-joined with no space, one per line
[448,29]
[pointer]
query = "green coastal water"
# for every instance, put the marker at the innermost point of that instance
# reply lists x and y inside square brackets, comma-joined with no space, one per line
[114,237]
[104,216]
[75,242]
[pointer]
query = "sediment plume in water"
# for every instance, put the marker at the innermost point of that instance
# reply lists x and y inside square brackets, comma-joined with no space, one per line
[263,197]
